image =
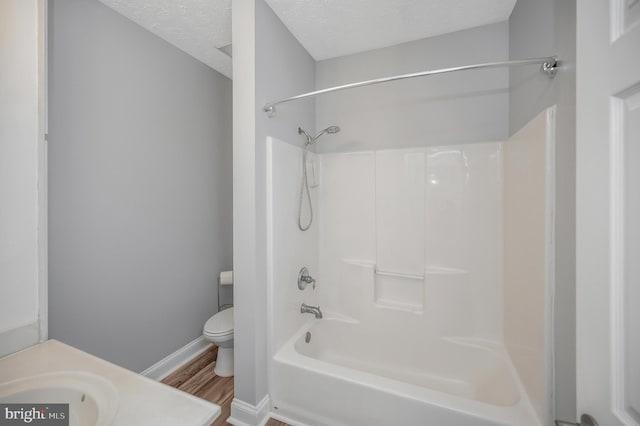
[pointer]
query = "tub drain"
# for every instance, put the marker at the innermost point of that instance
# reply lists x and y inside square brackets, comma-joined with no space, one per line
[307,337]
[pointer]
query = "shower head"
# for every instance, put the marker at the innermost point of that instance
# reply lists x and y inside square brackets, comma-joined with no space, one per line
[310,140]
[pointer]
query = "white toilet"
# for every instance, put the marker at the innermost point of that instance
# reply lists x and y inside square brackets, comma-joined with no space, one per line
[219,330]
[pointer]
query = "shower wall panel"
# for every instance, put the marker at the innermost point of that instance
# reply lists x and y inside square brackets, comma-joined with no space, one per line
[464,230]
[400,198]
[414,234]
[290,249]
[528,269]
[347,236]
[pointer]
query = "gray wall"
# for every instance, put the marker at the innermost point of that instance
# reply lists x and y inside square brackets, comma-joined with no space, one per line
[438,110]
[283,68]
[140,187]
[542,28]
[268,65]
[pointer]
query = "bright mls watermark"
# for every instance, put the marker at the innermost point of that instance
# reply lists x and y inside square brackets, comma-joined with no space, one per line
[34,414]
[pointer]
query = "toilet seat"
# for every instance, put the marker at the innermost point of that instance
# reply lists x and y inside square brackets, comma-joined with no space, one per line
[220,324]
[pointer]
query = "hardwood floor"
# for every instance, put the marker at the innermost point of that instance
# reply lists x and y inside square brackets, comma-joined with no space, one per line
[197,378]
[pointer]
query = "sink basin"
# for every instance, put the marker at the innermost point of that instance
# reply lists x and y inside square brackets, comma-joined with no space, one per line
[92,399]
[98,392]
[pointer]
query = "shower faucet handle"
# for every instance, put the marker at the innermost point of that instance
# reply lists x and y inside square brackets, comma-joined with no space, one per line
[304,279]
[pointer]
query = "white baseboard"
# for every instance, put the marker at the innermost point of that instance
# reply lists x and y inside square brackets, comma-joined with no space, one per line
[19,338]
[169,364]
[243,414]
[285,419]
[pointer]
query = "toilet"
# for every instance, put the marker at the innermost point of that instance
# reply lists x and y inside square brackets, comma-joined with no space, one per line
[219,330]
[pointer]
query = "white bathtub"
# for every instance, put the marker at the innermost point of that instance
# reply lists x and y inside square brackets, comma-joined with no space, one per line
[348,375]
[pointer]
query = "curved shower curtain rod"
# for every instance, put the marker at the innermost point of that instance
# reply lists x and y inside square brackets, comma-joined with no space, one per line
[549,66]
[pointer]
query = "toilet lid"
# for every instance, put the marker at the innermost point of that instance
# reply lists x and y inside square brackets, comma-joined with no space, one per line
[220,323]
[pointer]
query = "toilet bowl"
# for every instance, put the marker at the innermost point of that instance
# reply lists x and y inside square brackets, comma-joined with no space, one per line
[219,330]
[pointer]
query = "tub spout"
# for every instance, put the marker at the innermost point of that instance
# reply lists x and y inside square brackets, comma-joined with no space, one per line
[315,310]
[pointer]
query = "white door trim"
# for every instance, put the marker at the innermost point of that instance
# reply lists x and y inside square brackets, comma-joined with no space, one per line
[43,242]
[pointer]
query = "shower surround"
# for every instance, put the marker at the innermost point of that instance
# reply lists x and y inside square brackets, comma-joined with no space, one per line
[408,251]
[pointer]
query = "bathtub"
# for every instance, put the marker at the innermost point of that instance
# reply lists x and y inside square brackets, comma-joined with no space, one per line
[347,375]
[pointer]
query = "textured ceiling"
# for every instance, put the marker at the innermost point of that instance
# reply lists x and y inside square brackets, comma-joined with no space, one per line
[330,28]
[326,28]
[198,27]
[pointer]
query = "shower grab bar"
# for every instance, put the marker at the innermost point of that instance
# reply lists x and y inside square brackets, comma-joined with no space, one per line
[549,66]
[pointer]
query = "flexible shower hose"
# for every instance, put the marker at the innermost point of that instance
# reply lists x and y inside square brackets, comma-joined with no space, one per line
[304,185]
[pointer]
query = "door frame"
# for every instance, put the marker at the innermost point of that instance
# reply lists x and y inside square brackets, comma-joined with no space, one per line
[43,193]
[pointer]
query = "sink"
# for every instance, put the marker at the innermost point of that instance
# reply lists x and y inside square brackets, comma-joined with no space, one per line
[97,391]
[92,399]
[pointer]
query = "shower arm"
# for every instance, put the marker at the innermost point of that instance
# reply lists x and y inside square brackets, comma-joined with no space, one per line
[548,66]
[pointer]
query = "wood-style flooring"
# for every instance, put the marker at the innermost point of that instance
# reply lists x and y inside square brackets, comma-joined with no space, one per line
[197,378]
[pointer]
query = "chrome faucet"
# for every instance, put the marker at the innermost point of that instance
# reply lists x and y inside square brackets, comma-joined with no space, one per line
[315,310]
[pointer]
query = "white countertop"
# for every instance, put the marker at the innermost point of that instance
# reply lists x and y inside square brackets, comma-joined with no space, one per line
[140,400]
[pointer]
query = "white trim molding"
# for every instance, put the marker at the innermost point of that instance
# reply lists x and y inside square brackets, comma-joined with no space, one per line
[43,209]
[172,362]
[244,414]
[287,420]
[550,261]
[19,338]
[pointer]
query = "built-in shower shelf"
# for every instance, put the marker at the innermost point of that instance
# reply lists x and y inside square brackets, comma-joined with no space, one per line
[442,270]
[406,307]
[399,291]
[408,292]
[398,275]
